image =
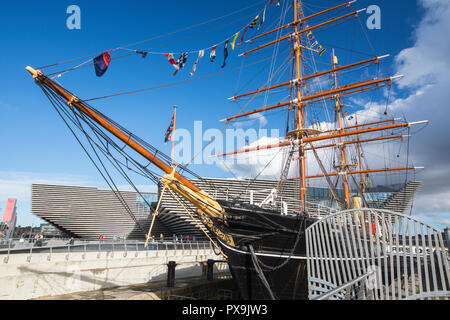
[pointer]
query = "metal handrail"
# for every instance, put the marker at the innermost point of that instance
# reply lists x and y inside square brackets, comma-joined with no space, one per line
[322,210]
[408,255]
[85,246]
[346,286]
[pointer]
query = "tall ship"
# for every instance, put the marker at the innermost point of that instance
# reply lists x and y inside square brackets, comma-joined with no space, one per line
[326,147]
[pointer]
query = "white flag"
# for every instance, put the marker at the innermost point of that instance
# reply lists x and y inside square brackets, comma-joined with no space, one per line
[200,55]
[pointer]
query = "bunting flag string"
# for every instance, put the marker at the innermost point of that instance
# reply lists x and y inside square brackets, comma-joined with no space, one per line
[319,48]
[200,55]
[101,62]
[225,53]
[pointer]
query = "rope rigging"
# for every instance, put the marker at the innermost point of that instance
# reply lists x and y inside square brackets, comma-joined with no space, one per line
[100,145]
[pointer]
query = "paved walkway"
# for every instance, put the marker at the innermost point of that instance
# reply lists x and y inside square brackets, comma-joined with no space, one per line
[151,291]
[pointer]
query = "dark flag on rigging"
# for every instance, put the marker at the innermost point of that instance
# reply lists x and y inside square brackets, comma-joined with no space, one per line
[101,63]
[169,131]
[225,53]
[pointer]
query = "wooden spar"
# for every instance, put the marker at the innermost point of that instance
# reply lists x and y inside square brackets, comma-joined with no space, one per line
[354,13]
[362,125]
[295,22]
[319,138]
[308,77]
[344,93]
[360,171]
[349,142]
[313,96]
[299,125]
[356,141]
[82,107]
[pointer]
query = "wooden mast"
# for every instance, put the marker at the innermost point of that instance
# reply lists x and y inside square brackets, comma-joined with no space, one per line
[363,183]
[343,167]
[173,132]
[299,119]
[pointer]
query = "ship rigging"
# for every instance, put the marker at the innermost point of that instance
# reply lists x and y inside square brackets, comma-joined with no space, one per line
[265,249]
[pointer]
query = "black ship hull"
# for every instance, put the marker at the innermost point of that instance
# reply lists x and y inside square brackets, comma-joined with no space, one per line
[277,267]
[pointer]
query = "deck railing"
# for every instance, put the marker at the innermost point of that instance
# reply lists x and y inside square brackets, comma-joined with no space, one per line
[10,247]
[394,256]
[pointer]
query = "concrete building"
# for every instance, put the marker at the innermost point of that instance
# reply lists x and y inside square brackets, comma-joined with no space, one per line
[88,212]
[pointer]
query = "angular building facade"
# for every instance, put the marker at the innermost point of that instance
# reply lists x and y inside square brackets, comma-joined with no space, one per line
[88,212]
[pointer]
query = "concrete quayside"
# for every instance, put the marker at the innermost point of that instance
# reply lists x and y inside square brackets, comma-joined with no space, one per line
[51,271]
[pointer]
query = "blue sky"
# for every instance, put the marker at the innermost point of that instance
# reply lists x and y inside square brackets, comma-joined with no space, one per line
[37,147]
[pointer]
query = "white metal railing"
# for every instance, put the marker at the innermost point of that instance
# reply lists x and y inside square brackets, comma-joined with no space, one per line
[85,246]
[356,289]
[407,257]
[290,206]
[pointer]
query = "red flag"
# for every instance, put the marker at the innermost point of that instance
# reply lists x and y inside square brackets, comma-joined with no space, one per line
[169,57]
[212,55]
[242,38]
